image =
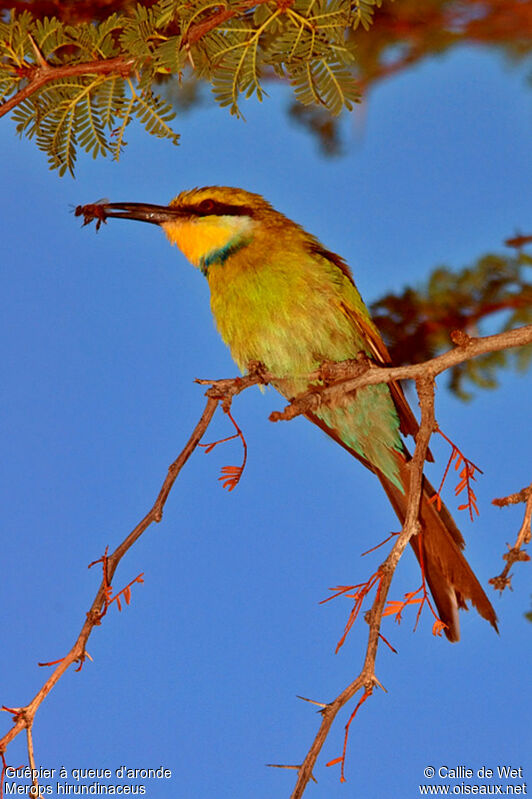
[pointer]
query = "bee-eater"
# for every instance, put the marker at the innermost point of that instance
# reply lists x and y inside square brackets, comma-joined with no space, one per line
[280,298]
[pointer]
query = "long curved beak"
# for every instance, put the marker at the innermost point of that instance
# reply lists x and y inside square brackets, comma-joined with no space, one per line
[141,212]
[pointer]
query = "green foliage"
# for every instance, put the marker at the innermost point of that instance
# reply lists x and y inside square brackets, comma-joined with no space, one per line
[81,85]
[364,13]
[327,50]
[85,110]
[489,297]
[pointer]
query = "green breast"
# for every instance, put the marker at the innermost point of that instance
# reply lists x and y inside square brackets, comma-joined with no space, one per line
[283,309]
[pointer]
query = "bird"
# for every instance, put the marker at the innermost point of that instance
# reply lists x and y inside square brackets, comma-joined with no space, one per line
[280,298]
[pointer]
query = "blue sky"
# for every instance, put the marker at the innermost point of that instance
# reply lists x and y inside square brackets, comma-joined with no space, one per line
[102,337]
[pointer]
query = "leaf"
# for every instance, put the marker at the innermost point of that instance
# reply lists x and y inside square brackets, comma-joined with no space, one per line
[49,35]
[110,98]
[155,113]
[363,13]
[230,476]
[304,41]
[236,63]
[416,322]
[438,627]
[126,112]
[171,55]
[328,83]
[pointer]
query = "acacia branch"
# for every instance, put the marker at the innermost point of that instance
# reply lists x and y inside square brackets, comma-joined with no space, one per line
[367,678]
[200,29]
[348,376]
[222,391]
[45,73]
[24,716]
[123,65]
[515,553]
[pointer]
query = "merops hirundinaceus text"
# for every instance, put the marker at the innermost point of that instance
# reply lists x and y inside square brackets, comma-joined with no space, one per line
[280,298]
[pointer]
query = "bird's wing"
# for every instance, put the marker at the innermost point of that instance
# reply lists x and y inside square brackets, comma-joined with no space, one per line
[369,333]
[408,422]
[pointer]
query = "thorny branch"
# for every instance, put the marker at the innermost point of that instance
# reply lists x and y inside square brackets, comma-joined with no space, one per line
[367,678]
[515,553]
[220,16]
[348,376]
[42,73]
[23,717]
[341,378]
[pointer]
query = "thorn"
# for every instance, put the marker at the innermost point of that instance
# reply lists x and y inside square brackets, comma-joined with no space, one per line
[378,545]
[378,682]
[189,55]
[294,768]
[312,701]
[281,765]
[43,63]
[51,662]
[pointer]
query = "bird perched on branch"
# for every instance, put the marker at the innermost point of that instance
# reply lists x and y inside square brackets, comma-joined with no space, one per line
[280,298]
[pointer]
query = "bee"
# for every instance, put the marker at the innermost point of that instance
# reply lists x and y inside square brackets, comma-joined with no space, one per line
[93,211]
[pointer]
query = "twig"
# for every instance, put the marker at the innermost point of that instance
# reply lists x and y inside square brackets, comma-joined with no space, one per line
[367,679]
[222,391]
[212,21]
[31,758]
[44,73]
[467,475]
[515,553]
[23,717]
[467,348]
[39,76]
[518,241]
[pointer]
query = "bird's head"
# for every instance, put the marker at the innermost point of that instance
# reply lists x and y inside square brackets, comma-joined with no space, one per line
[207,224]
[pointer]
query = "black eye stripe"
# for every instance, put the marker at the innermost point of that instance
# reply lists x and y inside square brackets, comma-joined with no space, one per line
[214,208]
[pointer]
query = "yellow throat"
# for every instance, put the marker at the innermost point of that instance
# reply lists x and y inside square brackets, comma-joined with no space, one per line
[211,238]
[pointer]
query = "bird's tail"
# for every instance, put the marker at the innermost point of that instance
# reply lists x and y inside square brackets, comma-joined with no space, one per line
[438,548]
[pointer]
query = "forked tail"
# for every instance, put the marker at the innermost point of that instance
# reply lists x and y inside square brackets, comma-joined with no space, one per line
[438,548]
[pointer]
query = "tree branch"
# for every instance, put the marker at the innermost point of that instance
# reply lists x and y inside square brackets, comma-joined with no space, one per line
[222,391]
[367,678]
[45,73]
[515,553]
[200,29]
[121,65]
[23,716]
[353,374]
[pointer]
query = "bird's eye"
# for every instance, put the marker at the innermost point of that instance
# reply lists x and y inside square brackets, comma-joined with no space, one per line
[206,205]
